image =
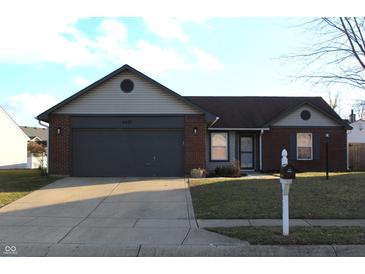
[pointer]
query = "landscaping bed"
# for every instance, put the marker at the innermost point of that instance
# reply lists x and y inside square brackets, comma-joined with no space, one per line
[314,235]
[311,197]
[15,184]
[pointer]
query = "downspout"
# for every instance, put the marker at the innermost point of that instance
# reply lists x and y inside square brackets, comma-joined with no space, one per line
[46,126]
[260,145]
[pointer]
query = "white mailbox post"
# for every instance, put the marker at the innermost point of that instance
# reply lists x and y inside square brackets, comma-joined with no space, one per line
[285,186]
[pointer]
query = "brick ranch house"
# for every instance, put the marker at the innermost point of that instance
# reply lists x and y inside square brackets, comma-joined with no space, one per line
[127,124]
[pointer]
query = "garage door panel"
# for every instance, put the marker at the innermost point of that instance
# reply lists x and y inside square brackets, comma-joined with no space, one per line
[127,153]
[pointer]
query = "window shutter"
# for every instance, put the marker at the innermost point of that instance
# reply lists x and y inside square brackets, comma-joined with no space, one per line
[316,146]
[293,146]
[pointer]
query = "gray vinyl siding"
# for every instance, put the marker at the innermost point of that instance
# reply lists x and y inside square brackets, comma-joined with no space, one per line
[232,152]
[316,119]
[234,149]
[145,98]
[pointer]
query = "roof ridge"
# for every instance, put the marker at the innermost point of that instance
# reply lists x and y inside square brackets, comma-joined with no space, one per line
[12,120]
[44,115]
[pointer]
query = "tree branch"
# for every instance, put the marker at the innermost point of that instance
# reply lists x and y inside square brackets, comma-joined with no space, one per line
[352,45]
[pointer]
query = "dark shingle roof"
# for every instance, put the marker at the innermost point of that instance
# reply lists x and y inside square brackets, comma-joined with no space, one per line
[256,112]
[40,132]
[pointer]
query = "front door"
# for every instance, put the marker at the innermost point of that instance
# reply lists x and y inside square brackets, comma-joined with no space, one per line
[247,152]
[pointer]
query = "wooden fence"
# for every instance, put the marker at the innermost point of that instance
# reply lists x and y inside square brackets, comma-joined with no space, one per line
[357,157]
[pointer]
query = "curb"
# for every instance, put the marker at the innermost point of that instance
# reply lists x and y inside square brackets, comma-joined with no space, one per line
[74,250]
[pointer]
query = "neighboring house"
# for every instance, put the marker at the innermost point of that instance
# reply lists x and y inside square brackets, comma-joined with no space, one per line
[38,135]
[13,143]
[127,124]
[357,134]
[356,143]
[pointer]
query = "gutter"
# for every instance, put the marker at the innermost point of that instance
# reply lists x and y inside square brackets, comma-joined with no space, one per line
[252,128]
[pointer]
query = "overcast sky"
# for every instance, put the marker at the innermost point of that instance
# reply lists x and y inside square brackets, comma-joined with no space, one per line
[44,61]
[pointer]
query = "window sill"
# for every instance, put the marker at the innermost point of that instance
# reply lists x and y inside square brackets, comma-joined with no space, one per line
[222,161]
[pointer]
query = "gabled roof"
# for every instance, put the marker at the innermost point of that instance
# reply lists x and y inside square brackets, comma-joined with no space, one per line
[39,132]
[357,121]
[233,112]
[44,116]
[258,111]
[5,114]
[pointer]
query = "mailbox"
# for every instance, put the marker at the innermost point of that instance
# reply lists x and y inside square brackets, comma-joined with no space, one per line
[287,172]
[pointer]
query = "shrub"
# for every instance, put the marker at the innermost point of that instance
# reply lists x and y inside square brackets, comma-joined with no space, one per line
[236,169]
[231,170]
[35,148]
[222,171]
[198,173]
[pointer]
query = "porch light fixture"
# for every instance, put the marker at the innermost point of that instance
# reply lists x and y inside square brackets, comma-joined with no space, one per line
[195,131]
[58,131]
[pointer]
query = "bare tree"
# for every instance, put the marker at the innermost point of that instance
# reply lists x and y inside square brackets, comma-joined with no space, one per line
[337,55]
[334,100]
[359,108]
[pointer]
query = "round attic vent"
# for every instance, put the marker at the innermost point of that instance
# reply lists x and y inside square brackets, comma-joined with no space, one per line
[305,115]
[127,85]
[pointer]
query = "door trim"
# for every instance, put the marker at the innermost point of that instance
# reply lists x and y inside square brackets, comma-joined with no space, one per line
[253,152]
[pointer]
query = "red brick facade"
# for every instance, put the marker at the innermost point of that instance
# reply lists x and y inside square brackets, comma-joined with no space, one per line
[273,141]
[277,139]
[59,145]
[195,143]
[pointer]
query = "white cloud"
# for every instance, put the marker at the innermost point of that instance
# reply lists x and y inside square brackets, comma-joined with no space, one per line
[58,40]
[153,58]
[39,39]
[207,61]
[80,81]
[166,27]
[112,41]
[113,37]
[24,107]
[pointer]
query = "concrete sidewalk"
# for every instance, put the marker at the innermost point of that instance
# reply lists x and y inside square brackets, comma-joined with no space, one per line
[91,212]
[204,223]
[129,217]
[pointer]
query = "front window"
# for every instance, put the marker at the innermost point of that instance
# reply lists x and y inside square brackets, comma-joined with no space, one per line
[304,146]
[219,146]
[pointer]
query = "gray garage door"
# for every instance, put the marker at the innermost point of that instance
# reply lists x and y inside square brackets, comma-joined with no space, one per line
[143,153]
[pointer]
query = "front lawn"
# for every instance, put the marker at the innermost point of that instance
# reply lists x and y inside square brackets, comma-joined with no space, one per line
[15,184]
[314,235]
[311,197]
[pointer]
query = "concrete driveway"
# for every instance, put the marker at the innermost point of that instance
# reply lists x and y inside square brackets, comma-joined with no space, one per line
[102,214]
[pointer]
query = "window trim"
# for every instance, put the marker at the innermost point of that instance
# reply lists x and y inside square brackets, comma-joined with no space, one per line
[311,158]
[210,147]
